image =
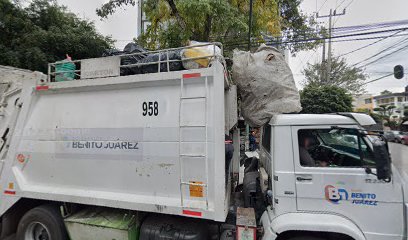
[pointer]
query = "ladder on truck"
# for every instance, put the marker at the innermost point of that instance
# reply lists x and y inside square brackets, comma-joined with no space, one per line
[183,97]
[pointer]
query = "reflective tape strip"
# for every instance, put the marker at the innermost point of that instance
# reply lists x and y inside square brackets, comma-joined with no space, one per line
[10,192]
[192,75]
[192,213]
[42,88]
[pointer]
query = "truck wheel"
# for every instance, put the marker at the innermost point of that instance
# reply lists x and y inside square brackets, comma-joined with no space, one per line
[42,223]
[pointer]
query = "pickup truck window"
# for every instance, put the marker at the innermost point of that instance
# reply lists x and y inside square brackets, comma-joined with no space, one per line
[327,148]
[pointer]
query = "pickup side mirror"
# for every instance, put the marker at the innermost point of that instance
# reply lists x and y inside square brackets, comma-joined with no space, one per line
[383,160]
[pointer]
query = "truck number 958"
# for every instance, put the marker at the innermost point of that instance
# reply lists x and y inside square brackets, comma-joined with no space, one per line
[150,108]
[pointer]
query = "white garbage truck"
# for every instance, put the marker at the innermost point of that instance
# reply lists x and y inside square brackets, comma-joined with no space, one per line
[107,155]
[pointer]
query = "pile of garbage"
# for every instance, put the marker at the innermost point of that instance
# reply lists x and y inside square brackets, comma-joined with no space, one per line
[189,58]
[265,81]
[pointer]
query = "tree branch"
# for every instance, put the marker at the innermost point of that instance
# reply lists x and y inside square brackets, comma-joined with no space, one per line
[175,12]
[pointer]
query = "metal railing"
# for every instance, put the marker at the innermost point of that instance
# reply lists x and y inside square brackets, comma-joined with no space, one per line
[215,55]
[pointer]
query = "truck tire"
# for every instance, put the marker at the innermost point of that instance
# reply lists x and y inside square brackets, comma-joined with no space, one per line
[42,223]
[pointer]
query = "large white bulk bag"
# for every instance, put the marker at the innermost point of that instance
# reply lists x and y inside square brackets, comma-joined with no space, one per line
[265,83]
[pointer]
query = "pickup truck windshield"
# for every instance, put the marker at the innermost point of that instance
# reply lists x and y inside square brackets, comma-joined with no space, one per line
[327,148]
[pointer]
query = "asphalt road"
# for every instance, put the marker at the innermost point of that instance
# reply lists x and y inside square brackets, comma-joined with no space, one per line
[399,155]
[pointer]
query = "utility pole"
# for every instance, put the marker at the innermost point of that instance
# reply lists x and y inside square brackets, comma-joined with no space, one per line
[250,24]
[329,51]
[141,18]
[323,74]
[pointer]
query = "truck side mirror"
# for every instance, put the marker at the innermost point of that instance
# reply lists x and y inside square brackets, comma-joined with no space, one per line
[383,160]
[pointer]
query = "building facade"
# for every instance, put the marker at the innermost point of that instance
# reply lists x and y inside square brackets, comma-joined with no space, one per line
[399,100]
[363,103]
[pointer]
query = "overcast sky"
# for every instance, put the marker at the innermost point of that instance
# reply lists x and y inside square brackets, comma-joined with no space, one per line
[122,27]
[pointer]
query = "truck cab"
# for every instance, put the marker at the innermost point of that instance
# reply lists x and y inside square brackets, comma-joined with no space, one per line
[323,183]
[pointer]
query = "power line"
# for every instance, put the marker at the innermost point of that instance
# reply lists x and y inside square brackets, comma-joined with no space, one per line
[335,21]
[369,26]
[339,5]
[336,30]
[379,78]
[242,44]
[384,50]
[368,45]
[385,56]
[302,60]
[349,4]
[323,38]
[348,35]
[312,55]
[369,38]
[321,6]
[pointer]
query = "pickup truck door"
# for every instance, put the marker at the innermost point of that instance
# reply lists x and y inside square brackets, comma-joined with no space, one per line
[341,187]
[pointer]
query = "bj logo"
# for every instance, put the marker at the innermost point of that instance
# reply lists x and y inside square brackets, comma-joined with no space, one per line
[335,195]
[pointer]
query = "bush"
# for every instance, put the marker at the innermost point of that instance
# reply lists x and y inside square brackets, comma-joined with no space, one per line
[325,99]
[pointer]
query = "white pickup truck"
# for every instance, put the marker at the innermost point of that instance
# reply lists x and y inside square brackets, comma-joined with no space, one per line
[107,156]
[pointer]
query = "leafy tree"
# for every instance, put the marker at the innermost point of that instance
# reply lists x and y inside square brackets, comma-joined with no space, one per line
[43,32]
[385,112]
[325,99]
[404,119]
[173,22]
[341,75]
[391,124]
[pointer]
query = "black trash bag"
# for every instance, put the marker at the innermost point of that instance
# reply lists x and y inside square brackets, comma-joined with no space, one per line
[111,52]
[153,68]
[132,47]
[129,49]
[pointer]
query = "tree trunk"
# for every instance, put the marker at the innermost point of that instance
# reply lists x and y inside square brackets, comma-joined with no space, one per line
[175,12]
[207,29]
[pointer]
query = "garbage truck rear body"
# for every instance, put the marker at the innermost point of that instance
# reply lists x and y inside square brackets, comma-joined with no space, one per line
[152,142]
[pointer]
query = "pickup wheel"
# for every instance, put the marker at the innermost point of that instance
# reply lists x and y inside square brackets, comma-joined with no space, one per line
[42,223]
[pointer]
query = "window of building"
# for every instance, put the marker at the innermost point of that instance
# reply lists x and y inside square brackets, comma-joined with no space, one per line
[400,99]
[367,101]
[334,148]
[386,100]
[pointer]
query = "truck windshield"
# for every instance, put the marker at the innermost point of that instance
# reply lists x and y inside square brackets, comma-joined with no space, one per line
[329,148]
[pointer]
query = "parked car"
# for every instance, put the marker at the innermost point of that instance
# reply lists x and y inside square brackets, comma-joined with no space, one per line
[391,136]
[404,139]
[399,135]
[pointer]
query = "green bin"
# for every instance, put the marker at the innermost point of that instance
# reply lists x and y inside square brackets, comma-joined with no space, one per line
[97,223]
[64,71]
